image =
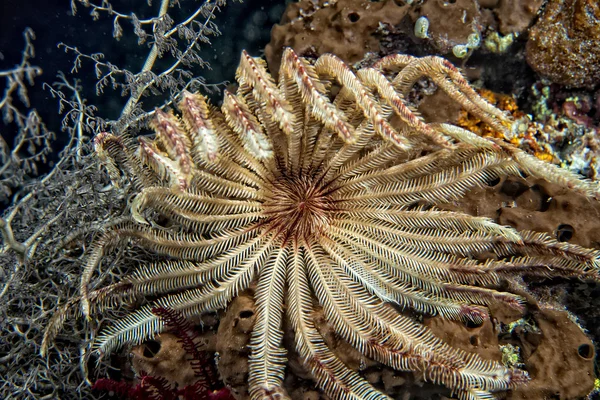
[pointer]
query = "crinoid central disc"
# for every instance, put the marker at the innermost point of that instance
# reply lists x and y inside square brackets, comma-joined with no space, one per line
[296,209]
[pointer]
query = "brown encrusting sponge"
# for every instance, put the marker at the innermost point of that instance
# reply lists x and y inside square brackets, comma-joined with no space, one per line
[351,29]
[450,23]
[345,28]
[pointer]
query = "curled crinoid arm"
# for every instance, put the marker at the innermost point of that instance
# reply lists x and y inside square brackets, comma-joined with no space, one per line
[246,125]
[451,81]
[330,65]
[197,121]
[163,165]
[313,92]
[376,81]
[105,297]
[552,173]
[107,148]
[253,72]
[448,78]
[119,160]
[176,157]
[531,165]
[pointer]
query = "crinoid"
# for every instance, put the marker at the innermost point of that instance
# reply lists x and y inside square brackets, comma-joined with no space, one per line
[307,189]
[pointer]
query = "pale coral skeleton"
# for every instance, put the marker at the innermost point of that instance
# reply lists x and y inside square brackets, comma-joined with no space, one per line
[269,188]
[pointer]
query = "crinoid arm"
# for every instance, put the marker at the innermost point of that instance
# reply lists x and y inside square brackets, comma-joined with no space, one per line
[312,194]
[447,77]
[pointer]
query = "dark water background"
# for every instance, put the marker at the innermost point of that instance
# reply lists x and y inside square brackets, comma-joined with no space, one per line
[243,25]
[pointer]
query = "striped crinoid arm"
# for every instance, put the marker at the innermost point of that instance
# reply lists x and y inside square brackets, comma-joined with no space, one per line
[196,211]
[427,281]
[392,339]
[358,89]
[187,152]
[336,379]
[179,245]
[252,72]
[441,280]
[246,125]
[268,358]
[410,291]
[541,254]
[296,71]
[422,179]
[100,299]
[196,118]
[119,160]
[212,287]
[530,164]
[436,245]
[447,77]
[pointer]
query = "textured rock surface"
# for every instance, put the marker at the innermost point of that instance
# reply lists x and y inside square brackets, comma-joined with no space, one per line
[353,28]
[346,28]
[564,45]
[450,22]
[515,16]
[559,358]
[164,357]
[534,204]
[233,338]
[557,354]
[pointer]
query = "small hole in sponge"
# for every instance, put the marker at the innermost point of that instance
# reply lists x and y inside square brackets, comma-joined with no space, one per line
[493,182]
[469,323]
[564,232]
[353,17]
[474,340]
[513,188]
[545,198]
[586,351]
[151,348]
[246,314]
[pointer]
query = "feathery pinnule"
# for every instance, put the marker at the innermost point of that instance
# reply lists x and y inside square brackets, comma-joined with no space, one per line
[309,192]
